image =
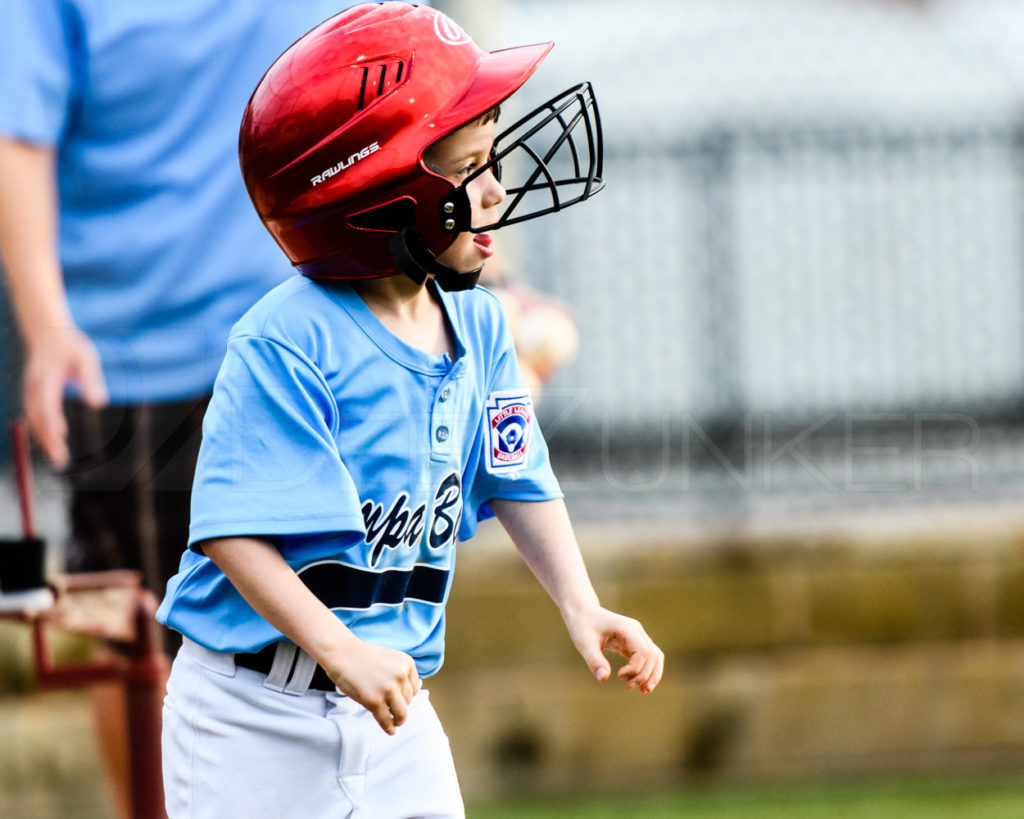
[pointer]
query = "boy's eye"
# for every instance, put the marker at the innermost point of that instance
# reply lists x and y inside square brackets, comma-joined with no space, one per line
[466,170]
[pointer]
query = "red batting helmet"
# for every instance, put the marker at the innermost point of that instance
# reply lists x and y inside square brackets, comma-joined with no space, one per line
[332,141]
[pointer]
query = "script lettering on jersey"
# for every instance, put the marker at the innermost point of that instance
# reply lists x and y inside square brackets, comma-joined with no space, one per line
[327,173]
[402,526]
[447,512]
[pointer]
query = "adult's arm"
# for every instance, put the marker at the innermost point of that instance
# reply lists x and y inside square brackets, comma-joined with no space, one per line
[57,352]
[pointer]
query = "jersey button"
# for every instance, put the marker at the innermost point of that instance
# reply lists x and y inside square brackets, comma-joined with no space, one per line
[441,434]
[446,393]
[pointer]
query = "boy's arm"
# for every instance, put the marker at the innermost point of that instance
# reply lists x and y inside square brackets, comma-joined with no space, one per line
[57,351]
[544,537]
[382,680]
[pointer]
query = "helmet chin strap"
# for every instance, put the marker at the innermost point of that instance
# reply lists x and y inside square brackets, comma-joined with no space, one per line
[416,260]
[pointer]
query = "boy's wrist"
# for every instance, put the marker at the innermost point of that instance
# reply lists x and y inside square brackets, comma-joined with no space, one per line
[576,607]
[331,650]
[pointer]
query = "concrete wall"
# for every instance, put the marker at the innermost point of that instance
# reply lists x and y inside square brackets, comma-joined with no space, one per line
[832,654]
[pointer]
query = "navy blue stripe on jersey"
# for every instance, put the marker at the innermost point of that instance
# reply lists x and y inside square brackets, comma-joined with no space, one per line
[341,586]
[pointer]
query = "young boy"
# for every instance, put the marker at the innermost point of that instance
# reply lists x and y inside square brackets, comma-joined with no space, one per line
[368,414]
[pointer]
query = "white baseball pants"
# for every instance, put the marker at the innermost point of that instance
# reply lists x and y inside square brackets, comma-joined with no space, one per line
[235,748]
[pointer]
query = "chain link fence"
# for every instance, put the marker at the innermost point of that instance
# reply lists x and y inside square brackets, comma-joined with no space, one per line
[804,284]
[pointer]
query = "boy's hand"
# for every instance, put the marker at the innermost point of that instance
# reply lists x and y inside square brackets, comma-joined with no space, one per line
[597,630]
[382,680]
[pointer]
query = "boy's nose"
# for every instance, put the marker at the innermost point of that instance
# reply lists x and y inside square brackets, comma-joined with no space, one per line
[494,192]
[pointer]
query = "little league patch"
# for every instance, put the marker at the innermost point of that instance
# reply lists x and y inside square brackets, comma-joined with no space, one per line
[509,421]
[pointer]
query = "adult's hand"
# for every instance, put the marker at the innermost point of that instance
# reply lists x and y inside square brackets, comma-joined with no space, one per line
[58,357]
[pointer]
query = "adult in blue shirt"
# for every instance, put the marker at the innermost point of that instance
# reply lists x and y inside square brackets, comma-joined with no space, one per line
[129,243]
[130,248]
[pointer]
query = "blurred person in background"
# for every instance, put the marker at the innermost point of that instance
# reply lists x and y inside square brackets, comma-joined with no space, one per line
[543,327]
[130,249]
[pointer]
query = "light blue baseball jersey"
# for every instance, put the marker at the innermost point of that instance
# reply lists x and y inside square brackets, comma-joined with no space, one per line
[361,458]
[161,250]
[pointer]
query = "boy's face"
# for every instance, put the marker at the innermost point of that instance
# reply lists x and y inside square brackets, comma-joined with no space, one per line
[457,156]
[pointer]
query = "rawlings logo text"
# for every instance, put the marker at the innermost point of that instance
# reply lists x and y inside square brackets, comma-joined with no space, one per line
[326,174]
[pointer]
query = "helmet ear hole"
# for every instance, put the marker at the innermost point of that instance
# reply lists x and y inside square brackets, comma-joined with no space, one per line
[390,217]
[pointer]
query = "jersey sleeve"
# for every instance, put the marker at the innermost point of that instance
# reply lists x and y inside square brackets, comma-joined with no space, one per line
[509,458]
[269,464]
[39,43]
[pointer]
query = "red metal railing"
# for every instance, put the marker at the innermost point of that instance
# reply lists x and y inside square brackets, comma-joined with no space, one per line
[122,612]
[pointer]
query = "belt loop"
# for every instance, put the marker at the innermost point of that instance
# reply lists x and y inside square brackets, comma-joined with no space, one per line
[281,668]
[305,665]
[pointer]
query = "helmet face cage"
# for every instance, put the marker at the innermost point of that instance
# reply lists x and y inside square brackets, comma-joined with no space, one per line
[548,160]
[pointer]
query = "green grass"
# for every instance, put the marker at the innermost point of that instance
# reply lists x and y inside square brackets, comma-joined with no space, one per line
[975,799]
